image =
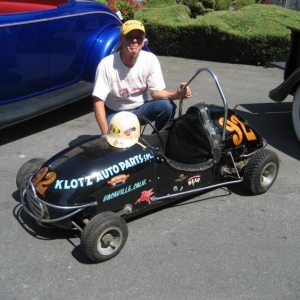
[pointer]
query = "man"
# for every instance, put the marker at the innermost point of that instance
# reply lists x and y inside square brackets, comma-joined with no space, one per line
[124,79]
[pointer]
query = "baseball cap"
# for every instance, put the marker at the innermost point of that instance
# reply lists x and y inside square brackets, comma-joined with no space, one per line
[132,25]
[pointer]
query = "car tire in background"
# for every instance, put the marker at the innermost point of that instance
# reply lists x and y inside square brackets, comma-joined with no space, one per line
[296,113]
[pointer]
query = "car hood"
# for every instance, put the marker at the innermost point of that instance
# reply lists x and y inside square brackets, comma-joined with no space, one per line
[73,176]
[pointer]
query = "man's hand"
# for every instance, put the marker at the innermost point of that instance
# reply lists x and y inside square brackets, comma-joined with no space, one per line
[187,91]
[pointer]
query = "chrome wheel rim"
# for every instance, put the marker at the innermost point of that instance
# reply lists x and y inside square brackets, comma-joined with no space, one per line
[109,241]
[268,174]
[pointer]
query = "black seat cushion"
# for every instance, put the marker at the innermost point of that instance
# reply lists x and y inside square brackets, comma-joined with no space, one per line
[188,142]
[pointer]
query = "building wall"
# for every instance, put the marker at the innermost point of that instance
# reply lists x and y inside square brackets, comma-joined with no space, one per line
[290,4]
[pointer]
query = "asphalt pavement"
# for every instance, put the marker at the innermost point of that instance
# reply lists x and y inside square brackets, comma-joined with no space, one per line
[221,245]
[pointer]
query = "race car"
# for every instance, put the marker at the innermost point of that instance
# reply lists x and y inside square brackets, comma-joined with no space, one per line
[95,186]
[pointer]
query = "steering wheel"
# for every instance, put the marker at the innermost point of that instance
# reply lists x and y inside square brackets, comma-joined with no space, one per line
[148,122]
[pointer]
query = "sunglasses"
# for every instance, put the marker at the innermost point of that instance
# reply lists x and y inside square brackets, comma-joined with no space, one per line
[130,38]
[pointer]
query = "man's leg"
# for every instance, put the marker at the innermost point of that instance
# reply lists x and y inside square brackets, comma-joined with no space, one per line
[159,111]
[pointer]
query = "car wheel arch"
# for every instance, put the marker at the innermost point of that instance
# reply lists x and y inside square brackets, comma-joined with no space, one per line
[101,48]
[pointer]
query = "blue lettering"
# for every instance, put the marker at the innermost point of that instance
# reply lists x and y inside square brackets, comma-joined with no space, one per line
[89,181]
[80,180]
[74,183]
[122,166]
[105,173]
[58,184]
[127,163]
[115,169]
[99,177]
[66,186]
[132,161]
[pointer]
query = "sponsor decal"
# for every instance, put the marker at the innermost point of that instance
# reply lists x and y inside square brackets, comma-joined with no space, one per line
[124,191]
[181,178]
[129,130]
[102,175]
[118,179]
[114,128]
[145,196]
[237,126]
[193,180]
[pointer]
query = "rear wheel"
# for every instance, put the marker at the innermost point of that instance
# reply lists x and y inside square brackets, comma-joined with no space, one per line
[104,236]
[261,171]
[296,113]
[29,167]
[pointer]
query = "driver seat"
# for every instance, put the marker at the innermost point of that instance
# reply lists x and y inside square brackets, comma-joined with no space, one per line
[189,140]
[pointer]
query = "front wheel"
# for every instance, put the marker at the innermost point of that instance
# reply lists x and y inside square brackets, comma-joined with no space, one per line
[261,171]
[296,113]
[104,236]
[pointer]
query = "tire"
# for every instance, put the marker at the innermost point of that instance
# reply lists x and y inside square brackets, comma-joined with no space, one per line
[296,113]
[104,236]
[261,171]
[29,167]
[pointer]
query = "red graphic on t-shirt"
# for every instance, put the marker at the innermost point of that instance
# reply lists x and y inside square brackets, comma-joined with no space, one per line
[124,93]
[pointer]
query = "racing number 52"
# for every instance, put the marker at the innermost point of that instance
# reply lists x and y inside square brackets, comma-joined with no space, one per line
[234,124]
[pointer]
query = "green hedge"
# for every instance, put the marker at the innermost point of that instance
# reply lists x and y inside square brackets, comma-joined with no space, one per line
[160,3]
[222,4]
[254,34]
[242,3]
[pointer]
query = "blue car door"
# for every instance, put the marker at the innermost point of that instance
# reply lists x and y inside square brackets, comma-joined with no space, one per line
[24,58]
[70,40]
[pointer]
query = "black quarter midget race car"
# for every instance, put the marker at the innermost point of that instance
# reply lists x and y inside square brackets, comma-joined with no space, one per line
[94,187]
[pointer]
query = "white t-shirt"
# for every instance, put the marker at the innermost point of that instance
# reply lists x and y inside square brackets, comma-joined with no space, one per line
[125,88]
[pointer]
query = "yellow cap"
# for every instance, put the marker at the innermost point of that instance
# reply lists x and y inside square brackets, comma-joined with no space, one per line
[132,25]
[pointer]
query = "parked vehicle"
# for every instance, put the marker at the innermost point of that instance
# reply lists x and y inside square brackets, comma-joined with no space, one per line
[93,187]
[49,53]
[291,77]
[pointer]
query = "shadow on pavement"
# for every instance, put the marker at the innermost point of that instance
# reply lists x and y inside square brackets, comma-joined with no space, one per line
[43,233]
[274,123]
[45,121]
[39,232]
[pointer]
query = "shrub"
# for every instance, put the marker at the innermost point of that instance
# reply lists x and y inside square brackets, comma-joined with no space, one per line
[195,7]
[126,7]
[208,3]
[242,3]
[160,3]
[164,16]
[222,4]
[252,35]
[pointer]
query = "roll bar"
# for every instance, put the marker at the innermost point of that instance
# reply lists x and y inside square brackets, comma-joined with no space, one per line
[220,92]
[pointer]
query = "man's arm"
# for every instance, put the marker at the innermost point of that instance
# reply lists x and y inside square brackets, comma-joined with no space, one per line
[100,114]
[171,95]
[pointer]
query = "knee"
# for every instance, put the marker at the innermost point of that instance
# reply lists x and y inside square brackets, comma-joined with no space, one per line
[169,107]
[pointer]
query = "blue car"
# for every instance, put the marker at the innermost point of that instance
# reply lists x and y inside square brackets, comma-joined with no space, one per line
[49,53]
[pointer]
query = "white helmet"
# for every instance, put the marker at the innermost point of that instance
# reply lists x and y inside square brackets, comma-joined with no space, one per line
[124,130]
